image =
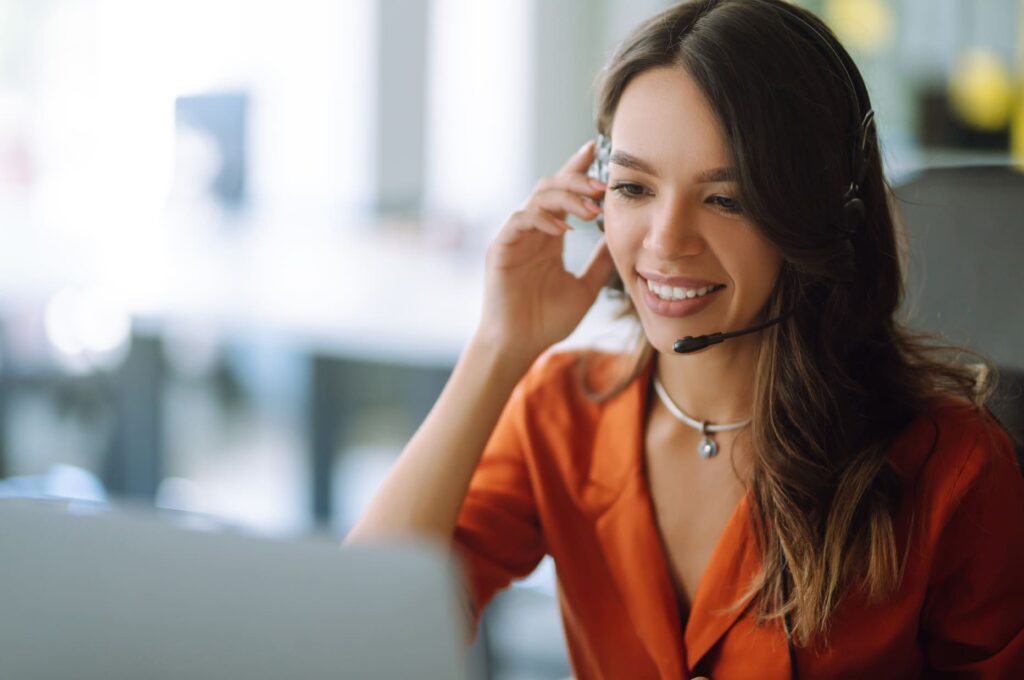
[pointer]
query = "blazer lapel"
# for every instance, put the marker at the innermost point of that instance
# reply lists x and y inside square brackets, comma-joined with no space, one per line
[732,565]
[628,533]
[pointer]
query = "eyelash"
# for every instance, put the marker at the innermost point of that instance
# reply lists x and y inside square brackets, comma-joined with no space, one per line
[621,190]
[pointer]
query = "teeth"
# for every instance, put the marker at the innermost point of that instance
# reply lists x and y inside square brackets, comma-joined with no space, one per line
[675,293]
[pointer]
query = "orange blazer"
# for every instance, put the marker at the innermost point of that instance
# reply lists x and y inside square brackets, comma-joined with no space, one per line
[564,476]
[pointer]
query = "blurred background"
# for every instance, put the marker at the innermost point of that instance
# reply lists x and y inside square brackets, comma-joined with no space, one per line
[241,243]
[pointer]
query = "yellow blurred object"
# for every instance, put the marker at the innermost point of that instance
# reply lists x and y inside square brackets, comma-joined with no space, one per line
[1017,133]
[981,90]
[863,25]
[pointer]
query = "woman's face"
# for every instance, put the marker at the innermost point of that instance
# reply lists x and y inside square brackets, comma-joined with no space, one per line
[670,215]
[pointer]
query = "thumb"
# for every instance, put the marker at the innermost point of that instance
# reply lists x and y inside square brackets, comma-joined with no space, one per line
[599,267]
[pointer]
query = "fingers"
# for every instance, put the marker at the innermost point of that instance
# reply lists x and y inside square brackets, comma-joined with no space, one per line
[560,202]
[572,181]
[531,219]
[570,190]
[599,267]
[580,161]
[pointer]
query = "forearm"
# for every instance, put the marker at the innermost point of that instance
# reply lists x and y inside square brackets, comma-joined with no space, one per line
[528,296]
[423,492]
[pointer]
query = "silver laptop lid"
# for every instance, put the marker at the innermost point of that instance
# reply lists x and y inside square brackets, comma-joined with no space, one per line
[108,595]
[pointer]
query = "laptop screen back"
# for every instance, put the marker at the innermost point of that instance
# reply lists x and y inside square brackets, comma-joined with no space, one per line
[107,595]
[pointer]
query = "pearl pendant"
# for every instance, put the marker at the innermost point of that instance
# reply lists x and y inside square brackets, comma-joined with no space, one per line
[707,448]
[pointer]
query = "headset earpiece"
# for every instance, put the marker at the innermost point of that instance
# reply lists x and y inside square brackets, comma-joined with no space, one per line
[854,210]
[599,169]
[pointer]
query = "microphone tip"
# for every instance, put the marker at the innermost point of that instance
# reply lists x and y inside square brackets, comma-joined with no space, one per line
[690,344]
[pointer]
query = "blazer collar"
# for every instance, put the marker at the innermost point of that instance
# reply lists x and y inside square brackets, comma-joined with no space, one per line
[627,530]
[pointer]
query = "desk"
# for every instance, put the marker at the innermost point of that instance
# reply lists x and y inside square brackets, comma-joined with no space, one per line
[341,301]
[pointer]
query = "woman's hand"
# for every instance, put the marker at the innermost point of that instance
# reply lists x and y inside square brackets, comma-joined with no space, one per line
[530,300]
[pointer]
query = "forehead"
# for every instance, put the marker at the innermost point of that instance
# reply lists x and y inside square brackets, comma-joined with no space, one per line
[663,117]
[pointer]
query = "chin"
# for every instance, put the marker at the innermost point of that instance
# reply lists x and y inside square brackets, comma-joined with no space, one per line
[662,339]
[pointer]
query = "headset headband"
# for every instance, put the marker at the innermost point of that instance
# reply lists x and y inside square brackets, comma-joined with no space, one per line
[854,209]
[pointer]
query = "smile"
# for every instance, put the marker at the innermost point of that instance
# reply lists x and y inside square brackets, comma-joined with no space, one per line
[670,293]
[676,301]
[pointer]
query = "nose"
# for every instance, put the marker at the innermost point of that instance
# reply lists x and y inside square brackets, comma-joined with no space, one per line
[673,231]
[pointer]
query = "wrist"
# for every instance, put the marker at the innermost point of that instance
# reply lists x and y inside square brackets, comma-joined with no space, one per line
[501,355]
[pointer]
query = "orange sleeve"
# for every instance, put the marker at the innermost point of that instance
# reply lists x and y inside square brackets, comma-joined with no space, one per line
[497,534]
[973,616]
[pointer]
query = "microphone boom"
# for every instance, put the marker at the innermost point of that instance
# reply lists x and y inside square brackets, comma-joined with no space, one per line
[693,343]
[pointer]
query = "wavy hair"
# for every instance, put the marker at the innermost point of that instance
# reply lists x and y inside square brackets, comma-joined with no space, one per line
[843,376]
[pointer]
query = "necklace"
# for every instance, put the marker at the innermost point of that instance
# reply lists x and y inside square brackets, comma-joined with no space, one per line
[707,448]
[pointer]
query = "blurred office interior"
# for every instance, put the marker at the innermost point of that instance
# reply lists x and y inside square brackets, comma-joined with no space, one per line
[242,242]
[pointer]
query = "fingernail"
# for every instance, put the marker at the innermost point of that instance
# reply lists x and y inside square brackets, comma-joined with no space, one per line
[597,184]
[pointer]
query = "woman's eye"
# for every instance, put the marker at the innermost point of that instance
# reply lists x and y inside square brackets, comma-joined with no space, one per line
[632,192]
[727,204]
[629,191]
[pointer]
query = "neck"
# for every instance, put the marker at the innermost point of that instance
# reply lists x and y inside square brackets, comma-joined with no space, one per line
[716,384]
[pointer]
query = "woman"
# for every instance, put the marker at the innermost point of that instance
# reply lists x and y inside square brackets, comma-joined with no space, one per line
[820,496]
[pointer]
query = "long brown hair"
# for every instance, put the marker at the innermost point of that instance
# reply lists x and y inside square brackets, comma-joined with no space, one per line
[838,380]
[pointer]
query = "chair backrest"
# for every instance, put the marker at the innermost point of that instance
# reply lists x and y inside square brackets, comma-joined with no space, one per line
[965,272]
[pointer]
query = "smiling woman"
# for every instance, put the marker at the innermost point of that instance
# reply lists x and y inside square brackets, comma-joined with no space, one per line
[824,494]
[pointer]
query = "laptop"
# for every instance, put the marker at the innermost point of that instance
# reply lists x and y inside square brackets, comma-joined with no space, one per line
[90,593]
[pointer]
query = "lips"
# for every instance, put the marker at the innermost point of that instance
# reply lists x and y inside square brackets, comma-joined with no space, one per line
[677,308]
[677,281]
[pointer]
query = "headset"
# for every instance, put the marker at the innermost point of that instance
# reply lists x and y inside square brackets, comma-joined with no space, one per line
[854,210]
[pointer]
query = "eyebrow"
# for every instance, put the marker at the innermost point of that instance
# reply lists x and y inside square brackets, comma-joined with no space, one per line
[714,175]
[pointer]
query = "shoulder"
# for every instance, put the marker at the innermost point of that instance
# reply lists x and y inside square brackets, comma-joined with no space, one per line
[565,423]
[575,378]
[969,527]
[552,372]
[955,450]
[953,437]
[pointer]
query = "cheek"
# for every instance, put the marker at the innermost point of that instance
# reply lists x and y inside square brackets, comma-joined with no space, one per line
[617,236]
[752,261]
[620,240]
[766,260]
[622,233]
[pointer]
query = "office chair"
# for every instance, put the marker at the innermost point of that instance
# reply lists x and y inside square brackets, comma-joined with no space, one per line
[965,272]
